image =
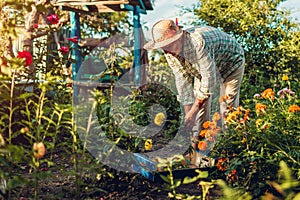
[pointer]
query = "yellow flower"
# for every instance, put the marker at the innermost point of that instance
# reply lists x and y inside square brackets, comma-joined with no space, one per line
[258,122]
[148,144]
[24,130]
[216,117]
[159,119]
[285,78]
[39,150]
[294,108]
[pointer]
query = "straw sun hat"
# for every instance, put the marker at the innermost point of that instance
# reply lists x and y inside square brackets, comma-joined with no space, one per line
[164,32]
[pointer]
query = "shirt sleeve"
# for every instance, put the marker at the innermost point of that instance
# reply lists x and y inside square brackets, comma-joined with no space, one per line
[206,66]
[184,87]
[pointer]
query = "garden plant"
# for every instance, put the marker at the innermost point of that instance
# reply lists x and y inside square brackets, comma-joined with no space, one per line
[42,156]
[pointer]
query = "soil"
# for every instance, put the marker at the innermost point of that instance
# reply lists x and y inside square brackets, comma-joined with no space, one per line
[94,181]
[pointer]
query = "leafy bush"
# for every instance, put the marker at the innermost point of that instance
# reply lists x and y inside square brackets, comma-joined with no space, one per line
[257,138]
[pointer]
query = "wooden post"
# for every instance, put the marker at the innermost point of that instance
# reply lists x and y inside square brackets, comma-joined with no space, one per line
[137,44]
[76,52]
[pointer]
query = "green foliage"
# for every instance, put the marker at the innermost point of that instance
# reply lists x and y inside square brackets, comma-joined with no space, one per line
[258,138]
[268,35]
[169,165]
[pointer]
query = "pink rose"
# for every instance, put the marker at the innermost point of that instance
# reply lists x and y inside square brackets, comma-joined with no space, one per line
[53,19]
[64,50]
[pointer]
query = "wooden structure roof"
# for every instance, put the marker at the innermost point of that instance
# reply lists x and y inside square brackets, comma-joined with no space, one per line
[100,6]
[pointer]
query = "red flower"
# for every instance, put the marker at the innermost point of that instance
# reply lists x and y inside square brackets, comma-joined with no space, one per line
[73,39]
[64,49]
[26,55]
[53,19]
[36,26]
[3,61]
[233,175]
[221,164]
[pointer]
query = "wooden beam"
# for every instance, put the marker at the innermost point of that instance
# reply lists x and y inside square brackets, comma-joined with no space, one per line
[80,3]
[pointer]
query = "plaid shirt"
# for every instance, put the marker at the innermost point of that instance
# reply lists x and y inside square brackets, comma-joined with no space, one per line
[209,54]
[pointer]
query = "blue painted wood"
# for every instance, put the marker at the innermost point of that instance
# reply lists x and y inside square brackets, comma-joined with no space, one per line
[137,44]
[76,52]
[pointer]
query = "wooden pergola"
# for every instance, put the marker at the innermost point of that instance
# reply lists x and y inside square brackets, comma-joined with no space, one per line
[100,6]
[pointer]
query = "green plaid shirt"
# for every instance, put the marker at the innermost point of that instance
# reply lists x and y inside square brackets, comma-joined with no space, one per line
[209,55]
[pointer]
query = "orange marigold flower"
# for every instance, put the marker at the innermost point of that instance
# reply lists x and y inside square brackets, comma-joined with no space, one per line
[260,107]
[268,94]
[203,133]
[294,108]
[246,115]
[216,117]
[221,164]
[206,124]
[202,145]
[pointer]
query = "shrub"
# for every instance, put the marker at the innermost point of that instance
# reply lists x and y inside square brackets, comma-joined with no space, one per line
[257,138]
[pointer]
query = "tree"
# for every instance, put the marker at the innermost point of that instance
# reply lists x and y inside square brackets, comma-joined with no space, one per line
[268,35]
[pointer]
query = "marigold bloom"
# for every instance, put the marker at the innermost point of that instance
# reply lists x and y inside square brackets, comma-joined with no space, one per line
[64,49]
[27,56]
[206,124]
[216,117]
[221,164]
[268,94]
[246,115]
[202,145]
[232,116]
[260,107]
[285,78]
[203,133]
[39,150]
[159,118]
[53,19]
[294,108]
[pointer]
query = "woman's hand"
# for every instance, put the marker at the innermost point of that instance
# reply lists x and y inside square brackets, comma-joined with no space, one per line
[190,114]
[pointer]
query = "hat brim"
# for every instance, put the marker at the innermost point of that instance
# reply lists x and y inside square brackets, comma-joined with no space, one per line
[156,45]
